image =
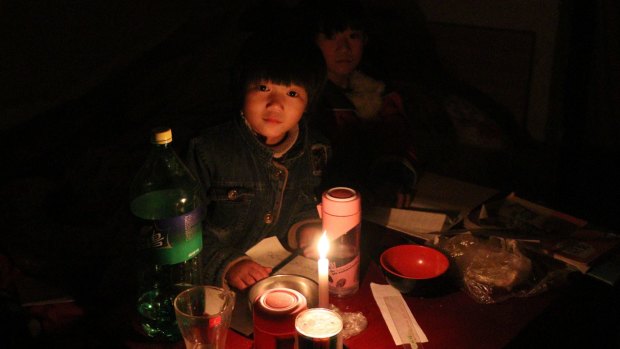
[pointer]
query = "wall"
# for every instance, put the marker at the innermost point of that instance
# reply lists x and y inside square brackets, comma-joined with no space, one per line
[504,48]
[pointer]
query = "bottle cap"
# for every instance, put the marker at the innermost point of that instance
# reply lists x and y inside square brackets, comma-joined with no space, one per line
[162,135]
[341,201]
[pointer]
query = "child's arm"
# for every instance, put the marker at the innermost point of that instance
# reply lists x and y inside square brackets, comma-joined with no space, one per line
[308,242]
[304,237]
[217,257]
[245,273]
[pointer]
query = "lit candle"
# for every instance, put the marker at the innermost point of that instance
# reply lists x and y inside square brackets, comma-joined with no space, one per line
[323,272]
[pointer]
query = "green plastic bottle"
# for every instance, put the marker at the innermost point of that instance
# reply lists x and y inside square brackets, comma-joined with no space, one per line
[165,200]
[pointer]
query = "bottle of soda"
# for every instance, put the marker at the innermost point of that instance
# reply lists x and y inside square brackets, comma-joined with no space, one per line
[165,200]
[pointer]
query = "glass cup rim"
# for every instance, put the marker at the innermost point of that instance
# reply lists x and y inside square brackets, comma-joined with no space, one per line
[229,294]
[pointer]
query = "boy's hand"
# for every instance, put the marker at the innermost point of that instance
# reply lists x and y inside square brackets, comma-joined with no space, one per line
[308,242]
[245,274]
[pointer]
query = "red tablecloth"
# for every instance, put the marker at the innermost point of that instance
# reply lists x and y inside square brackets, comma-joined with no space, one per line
[452,320]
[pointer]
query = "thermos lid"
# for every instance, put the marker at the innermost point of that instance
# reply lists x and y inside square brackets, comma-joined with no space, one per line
[341,201]
[281,301]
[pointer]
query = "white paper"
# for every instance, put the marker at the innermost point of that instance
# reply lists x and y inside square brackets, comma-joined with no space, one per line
[412,222]
[303,266]
[397,315]
[270,252]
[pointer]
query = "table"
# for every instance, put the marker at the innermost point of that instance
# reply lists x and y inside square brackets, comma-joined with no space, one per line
[583,313]
[450,320]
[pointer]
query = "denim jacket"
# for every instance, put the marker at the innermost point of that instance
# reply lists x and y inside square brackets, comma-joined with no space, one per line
[249,194]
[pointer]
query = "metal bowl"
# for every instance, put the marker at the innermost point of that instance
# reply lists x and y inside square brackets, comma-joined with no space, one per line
[307,287]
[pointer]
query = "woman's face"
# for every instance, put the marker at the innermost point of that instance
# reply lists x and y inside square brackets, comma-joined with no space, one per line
[273,109]
[342,52]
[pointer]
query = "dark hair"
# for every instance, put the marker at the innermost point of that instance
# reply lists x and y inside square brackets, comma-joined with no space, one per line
[333,16]
[283,59]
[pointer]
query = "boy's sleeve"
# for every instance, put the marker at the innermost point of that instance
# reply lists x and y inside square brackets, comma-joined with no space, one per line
[217,259]
[297,227]
[216,256]
[307,217]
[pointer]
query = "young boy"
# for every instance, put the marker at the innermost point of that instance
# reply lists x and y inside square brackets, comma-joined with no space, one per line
[365,121]
[261,171]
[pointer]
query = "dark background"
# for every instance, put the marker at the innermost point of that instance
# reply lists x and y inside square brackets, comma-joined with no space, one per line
[83,82]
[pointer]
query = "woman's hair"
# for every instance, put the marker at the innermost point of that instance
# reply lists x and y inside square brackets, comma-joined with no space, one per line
[332,16]
[282,59]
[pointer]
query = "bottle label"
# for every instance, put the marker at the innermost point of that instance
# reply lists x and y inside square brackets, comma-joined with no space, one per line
[344,277]
[173,240]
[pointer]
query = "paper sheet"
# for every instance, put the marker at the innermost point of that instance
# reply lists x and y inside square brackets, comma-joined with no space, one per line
[303,266]
[270,252]
[397,315]
[412,222]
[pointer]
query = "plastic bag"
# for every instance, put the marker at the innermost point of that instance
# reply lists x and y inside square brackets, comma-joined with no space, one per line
[494,269]
[352,322]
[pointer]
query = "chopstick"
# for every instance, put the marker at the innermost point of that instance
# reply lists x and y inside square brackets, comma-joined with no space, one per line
[285,261]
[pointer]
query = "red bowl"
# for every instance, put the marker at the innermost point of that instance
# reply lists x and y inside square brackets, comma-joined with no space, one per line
[414,269]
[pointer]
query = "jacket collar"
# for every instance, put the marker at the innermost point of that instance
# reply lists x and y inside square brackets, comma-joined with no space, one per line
[266,153]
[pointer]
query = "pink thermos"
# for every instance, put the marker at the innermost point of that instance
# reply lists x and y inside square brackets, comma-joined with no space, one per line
[341,213]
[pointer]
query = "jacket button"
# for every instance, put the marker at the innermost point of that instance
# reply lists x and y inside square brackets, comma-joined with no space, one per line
[268,218]
[232,194]
[279,173]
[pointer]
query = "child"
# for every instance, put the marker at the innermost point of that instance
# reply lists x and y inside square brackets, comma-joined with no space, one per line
[261,171]
[367,125]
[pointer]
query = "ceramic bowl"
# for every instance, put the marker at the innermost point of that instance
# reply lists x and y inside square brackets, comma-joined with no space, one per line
[307,287]
[414,269]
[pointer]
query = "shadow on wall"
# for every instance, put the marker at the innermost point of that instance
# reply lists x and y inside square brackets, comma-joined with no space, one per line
[85,83]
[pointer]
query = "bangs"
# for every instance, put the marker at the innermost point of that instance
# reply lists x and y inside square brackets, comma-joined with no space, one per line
[284,61]
[331,17]
[335,24]
[282,75]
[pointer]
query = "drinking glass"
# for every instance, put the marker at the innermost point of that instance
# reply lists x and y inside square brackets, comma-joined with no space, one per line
[203,314]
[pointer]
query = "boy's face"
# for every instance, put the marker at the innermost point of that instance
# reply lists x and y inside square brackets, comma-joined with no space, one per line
[273,109]
[342,52]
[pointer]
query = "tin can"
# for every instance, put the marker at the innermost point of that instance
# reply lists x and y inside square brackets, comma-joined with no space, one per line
[274,315]
[318,328]
[341,213]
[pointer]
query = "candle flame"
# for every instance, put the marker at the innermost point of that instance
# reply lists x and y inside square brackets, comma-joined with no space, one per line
[323,245]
